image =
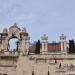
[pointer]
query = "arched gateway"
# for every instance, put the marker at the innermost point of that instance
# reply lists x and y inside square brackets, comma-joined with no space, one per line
[13,32]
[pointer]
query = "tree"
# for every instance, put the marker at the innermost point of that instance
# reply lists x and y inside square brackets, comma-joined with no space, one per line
[37,50]
[71,46]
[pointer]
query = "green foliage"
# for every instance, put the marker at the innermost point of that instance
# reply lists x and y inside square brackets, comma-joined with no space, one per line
[37,50]
[71,46]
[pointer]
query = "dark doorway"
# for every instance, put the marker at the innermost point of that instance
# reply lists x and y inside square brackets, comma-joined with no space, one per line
[4,74]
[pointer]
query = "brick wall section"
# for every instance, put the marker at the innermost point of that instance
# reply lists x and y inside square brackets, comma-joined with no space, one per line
[52,47]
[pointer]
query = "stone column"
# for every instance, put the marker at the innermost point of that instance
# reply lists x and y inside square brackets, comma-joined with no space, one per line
[62,48]
[63,43]
[42,49]
[44,41]
[46,46]
[65,46]
[23,46]
[27,45]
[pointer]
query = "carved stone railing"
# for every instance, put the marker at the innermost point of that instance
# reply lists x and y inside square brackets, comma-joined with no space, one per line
[9,53]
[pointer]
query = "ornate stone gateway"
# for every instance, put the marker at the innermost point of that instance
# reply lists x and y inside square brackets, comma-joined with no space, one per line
[13,32]
[14,62]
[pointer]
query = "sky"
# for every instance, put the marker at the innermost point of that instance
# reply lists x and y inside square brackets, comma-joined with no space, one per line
[13,44]
[50,17]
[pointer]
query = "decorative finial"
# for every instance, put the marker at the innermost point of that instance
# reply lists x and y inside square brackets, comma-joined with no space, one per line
[44,37]
[15,24]
[24,29]
[62,37]
[5,30]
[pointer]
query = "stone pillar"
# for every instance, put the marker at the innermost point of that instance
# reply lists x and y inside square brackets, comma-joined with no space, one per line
[63,43]
[46,45]
[62,49]
[23,37]
[44,42]
[27,45]
[5,41]
[23,46]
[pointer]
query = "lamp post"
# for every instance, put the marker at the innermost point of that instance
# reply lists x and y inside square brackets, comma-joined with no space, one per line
[32,70]
[48,71]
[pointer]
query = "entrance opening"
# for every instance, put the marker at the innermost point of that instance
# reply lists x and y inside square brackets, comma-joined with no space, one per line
[13,44]
[4,74]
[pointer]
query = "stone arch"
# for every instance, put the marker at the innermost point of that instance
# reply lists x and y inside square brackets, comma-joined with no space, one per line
[17,43]
[14,32]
